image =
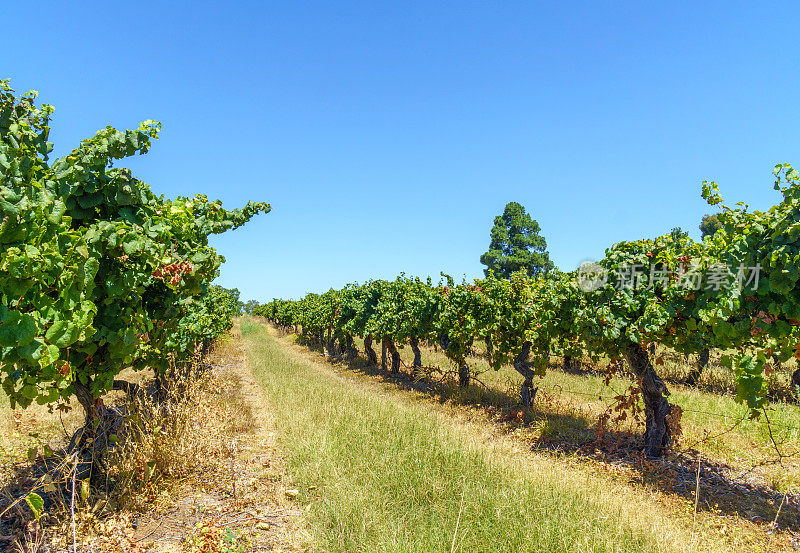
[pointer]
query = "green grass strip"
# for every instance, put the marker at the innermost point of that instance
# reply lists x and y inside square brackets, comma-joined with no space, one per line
[392,478]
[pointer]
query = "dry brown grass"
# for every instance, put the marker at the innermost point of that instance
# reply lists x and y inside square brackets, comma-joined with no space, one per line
[193,456]
[168,442]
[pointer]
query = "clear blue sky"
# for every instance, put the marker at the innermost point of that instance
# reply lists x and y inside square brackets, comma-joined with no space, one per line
[388,135]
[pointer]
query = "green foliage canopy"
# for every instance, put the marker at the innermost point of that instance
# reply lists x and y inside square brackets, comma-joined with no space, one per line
[97,273]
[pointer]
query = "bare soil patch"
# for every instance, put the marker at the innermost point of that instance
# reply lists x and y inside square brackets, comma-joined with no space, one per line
[241,499]
[250,500]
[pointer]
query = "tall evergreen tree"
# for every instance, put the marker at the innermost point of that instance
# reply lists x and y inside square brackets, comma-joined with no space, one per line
[709,225]
[516,244]
[250,306]
[678,233]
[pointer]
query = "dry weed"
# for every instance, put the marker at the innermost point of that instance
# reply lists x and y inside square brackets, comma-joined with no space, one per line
[163,441]
[167,442]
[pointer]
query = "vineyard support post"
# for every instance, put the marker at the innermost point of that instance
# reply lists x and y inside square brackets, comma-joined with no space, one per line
[654,391]
[383,353]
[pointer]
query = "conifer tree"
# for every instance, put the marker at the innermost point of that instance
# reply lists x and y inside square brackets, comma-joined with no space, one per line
[516,245]
[709,225]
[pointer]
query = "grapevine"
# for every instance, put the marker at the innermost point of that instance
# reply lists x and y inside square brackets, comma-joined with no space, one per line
[523,320]
[97,273]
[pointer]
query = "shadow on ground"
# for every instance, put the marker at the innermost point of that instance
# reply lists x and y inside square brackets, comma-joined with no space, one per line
[722,489]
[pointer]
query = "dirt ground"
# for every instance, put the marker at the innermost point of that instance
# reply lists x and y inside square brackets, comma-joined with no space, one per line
[243,500]
[253,505]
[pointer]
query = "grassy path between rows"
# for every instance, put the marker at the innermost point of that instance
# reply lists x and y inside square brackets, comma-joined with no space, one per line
[381,475]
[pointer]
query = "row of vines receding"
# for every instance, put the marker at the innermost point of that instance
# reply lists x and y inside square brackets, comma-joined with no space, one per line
[735,292]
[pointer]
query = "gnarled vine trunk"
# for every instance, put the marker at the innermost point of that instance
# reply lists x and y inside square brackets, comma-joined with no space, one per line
[463,374]
[350,349]
[415,367]
[83,394]
[656,407]
[571,364]
[463,368]
[91,407]
[102,425]
[395,356]
[372,357]
[341,348]
[702,363]
[525,368]
[470,343]
[796,380]
[330,344]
